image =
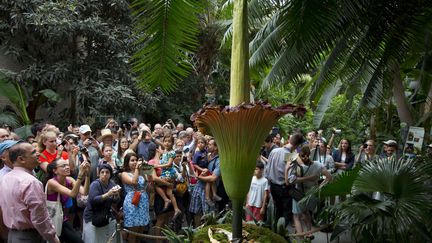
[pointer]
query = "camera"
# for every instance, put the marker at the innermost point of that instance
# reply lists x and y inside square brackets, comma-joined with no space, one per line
[134,132]
[336,131]
[126,124]
[84,151]
[73,137]
[365,145]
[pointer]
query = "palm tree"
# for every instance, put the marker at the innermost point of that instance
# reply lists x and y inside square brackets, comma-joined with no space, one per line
[364,44]
[401,214]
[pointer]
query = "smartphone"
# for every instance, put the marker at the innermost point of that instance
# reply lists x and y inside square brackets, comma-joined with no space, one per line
[85,152]
[80,158]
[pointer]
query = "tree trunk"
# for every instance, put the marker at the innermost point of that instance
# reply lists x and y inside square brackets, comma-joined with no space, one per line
[402,106]
[373,125]
[428,108]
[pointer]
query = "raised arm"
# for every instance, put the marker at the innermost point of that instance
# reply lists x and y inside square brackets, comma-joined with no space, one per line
[126,179]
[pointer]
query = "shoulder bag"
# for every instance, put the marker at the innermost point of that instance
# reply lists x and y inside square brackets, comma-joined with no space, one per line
[294,192]
[55,211]
[100,216]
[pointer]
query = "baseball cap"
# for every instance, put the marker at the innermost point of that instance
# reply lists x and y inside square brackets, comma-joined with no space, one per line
[134,132]
[390,142]
[7,144]
[84,128]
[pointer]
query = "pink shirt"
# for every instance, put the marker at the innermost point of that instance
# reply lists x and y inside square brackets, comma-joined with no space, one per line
[23,203]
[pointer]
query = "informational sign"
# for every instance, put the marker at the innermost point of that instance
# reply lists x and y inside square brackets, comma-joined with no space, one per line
[414,141]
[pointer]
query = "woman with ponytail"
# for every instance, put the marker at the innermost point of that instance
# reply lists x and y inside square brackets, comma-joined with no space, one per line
[61,182]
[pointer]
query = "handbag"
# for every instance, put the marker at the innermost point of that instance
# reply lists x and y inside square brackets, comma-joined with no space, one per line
[136,198]
[294,192]
[181,187]
[55,211]
[82,200]
[100,216]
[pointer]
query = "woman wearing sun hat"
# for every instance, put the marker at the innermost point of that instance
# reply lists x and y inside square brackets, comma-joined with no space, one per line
[107,138]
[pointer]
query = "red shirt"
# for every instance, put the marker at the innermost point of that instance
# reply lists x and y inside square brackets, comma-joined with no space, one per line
[48,157]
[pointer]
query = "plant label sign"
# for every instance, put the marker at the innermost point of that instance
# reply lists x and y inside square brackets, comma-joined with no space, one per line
[414,140]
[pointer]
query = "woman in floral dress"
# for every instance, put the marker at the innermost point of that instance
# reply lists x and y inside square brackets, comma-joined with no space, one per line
[136,216]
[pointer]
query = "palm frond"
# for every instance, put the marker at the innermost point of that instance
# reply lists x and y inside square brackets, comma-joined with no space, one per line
[303,95]
[324,102]
[406,193]
[166,32]
[266,42]
[329,72]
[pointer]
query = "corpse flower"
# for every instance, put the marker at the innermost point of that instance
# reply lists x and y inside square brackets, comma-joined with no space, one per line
[239,132]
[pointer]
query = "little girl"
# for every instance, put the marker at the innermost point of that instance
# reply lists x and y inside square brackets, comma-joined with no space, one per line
[168,174]
[107,158]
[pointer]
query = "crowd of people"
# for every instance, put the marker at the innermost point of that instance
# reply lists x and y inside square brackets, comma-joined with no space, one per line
[75,185]
[129,174]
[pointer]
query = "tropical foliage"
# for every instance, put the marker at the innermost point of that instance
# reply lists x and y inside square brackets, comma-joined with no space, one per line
[400,213]
[77,49]
[166,32]
[255,234]
[367,46]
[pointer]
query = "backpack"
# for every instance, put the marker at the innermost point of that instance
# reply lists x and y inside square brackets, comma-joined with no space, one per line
[41,175]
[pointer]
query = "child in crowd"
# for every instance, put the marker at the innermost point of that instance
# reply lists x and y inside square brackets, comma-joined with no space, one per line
[200,162]
[168,174]
[107,152]
[258,195]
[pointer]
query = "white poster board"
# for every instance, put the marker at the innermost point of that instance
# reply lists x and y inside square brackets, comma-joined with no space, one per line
[414,140]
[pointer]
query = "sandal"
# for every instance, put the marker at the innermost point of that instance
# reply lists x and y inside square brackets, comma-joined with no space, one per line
[166,208]
[310,237]
[177,214]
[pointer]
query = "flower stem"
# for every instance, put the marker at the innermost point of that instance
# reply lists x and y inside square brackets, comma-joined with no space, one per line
[239,85]
[237,219]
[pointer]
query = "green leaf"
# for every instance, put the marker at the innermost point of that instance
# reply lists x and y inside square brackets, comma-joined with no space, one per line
[324,102]
[8,90]
[166,34]
[24,131]
[51,95]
